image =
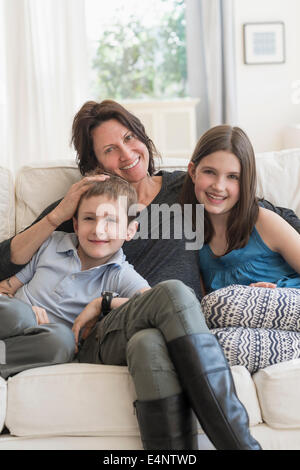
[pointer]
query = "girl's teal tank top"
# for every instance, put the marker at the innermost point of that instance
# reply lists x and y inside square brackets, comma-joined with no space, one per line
[253,263]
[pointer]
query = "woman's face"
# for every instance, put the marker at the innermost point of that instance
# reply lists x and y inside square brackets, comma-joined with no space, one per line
[119,151]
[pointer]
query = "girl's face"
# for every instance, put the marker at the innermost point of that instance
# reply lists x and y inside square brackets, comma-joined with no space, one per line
[120,152]
[217,181]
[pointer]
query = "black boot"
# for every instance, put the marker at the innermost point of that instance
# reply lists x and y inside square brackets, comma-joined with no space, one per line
[206,378]
[167,423]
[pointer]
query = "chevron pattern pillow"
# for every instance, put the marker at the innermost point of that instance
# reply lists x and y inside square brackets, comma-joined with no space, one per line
[253,307]
[255,326]
[256,348]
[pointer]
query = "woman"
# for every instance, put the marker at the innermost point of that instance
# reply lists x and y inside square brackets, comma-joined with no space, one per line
[106,135]
[99,142]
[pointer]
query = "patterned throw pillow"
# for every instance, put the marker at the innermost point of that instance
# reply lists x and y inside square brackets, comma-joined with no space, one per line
[256,348]
[255,326]
[253,307]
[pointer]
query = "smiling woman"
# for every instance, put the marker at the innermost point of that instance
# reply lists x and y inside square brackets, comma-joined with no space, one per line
[120,151]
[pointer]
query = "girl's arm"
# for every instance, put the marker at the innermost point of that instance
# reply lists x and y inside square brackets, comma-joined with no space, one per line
[279,236]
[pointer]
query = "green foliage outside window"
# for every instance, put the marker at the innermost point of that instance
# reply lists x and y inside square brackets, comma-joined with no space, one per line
[134,61]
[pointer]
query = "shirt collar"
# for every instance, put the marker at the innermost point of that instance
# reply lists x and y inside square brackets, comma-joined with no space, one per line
[69,243]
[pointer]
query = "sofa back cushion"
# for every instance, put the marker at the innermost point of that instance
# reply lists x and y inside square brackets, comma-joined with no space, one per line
[279,178]
[39,185]
[278,392]
[7,204]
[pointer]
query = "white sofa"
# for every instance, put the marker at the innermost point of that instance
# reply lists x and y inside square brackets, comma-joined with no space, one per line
[87,406]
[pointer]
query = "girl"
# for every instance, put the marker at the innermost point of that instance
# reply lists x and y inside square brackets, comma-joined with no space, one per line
[243,242]
[244,245]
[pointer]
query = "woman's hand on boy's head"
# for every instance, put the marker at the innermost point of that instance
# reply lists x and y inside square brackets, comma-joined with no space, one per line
[68,205]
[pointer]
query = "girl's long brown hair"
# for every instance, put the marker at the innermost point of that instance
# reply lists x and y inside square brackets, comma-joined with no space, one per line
[244,214]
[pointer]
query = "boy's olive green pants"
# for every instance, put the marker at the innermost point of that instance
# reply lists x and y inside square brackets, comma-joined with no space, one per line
[134,334]
[137,332]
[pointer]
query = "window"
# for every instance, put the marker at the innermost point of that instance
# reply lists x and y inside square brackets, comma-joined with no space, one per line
[137,49]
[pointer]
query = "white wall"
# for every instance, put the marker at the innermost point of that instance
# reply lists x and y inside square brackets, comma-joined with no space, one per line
[264,92]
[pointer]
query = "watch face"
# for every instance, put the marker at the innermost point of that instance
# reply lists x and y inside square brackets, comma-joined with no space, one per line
[109,293]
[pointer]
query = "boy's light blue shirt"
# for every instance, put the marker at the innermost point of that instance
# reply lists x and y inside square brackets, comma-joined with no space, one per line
[53,279]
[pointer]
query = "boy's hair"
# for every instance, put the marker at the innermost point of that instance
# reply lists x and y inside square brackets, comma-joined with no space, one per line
[113,188]
[244,214]
[92,115]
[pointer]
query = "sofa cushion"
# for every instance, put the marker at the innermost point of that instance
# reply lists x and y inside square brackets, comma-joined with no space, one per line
[87,400]
[72,399]
[278,392]
[3,395]
[38,185]
[246,392]
[7,204]
[278,178]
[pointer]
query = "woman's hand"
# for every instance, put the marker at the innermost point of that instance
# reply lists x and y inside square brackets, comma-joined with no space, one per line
[5,289]
[87,319]
[269,285]
[41,315]
[10,286]
[67,207]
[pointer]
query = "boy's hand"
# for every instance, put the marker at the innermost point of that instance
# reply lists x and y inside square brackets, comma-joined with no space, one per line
[269,285]
[87,319]
[41,315]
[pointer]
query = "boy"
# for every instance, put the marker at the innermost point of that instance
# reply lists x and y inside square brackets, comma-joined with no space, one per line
[67,272]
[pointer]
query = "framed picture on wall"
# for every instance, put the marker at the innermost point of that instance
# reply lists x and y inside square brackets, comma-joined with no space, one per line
[264,43]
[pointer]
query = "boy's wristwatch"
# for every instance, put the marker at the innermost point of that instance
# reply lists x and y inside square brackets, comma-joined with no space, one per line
[107,297]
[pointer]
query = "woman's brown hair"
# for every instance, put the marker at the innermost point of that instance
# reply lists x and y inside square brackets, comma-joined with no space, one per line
[244,214]
[90,116]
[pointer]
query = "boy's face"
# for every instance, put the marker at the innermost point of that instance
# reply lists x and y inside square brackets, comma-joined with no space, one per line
[102,227]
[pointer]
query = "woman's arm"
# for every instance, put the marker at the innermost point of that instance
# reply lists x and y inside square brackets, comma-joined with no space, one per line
[279,236]
[10,286]
[25,244]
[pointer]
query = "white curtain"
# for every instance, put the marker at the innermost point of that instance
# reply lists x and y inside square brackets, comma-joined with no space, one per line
[211,60]
[44,78]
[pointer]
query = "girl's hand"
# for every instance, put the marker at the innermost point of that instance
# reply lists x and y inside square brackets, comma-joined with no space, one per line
[67,207]
[41,315]
[87,319]
[269,285]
